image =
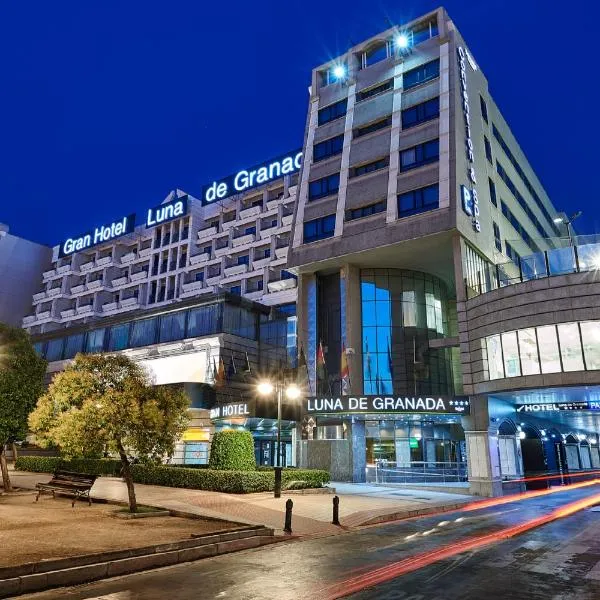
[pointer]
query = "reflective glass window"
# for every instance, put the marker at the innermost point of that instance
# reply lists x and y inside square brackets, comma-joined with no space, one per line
[570,347]
[561,261]
[95,341]
[590,334]
[74,345]
[549,353]
[172,327]
[589,256]
[494,353]
[203,320]
[510,351]
[530,363]
[143,333]
[54,349]
[118,337]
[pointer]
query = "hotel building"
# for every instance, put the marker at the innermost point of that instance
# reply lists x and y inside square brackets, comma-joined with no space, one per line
[456,313]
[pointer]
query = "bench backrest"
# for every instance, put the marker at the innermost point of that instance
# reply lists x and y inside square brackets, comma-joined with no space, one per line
[75,478]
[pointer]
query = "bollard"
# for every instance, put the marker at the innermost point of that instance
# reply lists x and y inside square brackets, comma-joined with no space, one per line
[288,516]
[336,511]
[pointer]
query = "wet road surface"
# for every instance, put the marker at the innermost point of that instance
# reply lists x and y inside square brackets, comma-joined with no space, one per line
[559,560]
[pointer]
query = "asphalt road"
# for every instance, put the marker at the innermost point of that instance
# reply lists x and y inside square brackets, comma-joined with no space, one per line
[557,561]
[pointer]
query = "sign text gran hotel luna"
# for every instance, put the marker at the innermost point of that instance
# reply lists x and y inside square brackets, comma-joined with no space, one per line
[388,404]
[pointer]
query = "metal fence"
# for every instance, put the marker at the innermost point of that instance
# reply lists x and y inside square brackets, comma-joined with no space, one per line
[385,471]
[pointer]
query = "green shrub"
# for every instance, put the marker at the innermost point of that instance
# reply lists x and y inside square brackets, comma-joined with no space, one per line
[232,450]
[49,464]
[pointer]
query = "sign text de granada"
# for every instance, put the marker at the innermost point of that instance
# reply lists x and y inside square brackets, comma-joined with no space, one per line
[391,404]
[101,234]
[247,179]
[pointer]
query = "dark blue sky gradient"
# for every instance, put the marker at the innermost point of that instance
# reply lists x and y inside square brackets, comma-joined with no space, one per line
[107,106]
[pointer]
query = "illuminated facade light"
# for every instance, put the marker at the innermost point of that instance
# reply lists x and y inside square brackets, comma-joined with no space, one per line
[339,71]
[402,41]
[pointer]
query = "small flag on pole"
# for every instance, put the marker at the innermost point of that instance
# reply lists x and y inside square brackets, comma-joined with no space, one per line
[345,372]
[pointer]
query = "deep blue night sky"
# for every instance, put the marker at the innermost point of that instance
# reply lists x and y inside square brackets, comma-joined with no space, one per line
[106,106]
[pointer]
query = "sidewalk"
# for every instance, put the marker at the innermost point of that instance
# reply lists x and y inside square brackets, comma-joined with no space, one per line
[360,504]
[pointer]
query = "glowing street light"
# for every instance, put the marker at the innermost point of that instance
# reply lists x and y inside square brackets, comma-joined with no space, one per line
[567,221]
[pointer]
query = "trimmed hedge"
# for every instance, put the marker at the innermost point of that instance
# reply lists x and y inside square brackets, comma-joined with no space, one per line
[232,450]
[234,482]
[49,464]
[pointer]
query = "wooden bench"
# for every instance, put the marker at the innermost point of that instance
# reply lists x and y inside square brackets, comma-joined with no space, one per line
[68,482]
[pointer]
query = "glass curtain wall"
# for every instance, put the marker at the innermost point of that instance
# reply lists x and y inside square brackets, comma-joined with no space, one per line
[401,312]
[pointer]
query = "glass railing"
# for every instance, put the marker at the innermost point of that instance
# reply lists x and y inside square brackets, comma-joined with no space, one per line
[569,255]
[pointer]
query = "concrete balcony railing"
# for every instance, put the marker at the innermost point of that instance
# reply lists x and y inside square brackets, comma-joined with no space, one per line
[94,285]
[145,252]
[260,262]
[39,296]
[138,276]
[87,266]
[281,252]
[192,286]
[78,289]
[287,220]
[222,251]
[235,270]
[268,232]
[104,261]
[110,307]
[64,269]
[214,280]
[133,301]
[42,316]
[254,294]
[29,320]
[273,203]
[53,292]
[251,211]
[127,258]
[293,189]
[206,234]
[282,284]
[68,313]
[86,309]
[49,274]
[243,239]
[199,258]
[227,225]
[119,281]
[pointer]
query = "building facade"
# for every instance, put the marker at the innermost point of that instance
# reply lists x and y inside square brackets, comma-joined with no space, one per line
[21,265]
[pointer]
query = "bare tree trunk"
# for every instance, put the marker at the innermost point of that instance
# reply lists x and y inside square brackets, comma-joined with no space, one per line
[128,478]
[4,469]
[13,447]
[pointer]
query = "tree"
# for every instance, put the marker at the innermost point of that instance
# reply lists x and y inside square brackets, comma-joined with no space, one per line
[107,402]
[21,384]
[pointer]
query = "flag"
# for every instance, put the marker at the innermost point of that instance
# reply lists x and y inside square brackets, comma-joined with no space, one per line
[231,369]
[368,357]
[302,377]
[220,374]
[247,368]
[321,368]
[345,372]
[390,361]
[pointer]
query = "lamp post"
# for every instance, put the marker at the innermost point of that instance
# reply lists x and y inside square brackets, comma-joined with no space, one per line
[567,221]
[292,391]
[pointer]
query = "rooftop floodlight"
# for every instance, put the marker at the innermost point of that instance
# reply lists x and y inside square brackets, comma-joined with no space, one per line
[402,41]
[339,71]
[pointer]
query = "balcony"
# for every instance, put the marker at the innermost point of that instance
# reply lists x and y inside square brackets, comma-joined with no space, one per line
[188,292]
[94,285]
[87,266]
[64,269]
[287,219]
[127,258]
[292,191]
[261,262]
[251,211]
[86,309]
[227,225]
[192,286]
[235,270]
[119,281]
[44,315]
[29,320]
[104,261]
[110,307]
[273,203]
[132,301]
[138,276]
[67,314]
[49,274]
[222,251]
[268,232]
[281,252]
[199,258]
[53,292]
[282,284]
[39,296]
[145,252]
[243,239]
[78,289]
[214,280]
[206,234]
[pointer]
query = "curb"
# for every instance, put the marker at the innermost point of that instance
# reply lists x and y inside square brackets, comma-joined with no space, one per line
[36,577]
[411,514]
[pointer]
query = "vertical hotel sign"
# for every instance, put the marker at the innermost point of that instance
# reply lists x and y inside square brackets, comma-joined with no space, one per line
[470,202]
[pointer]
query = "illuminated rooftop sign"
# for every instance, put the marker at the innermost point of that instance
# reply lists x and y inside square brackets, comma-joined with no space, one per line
[167,212]
[103,233]
[246,179]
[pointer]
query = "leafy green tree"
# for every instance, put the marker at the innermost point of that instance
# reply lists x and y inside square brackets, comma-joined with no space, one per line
[107,402]
[21,384]
[233,450]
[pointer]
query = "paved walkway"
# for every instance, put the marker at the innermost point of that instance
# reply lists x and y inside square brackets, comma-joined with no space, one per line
[312,513]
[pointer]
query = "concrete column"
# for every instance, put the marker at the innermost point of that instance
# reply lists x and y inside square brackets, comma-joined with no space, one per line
[358,449]
[307,323]
[352,325]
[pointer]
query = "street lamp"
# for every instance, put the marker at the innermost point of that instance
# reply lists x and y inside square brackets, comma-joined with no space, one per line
[567,221]
[292,392]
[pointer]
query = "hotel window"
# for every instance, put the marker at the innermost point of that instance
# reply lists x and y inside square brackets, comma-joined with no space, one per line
[203,320]
[324,186]
[95,341]
[375,54]
[54,350]
[421,113]
[510,354]
[376,126]
[236,289]
[512,253]
[328,148]
[570,347]
[549,352]
[374,91]
[418,201]
[118,337]
[492,187]
[376,165]
[365,211]
[143,333]
[488,150]
[243,260]
[172,327]
[497,238]
[530,362]
[590,335]
[333,111]
[319,229]
[417,156]
[483,106]
[421,74]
